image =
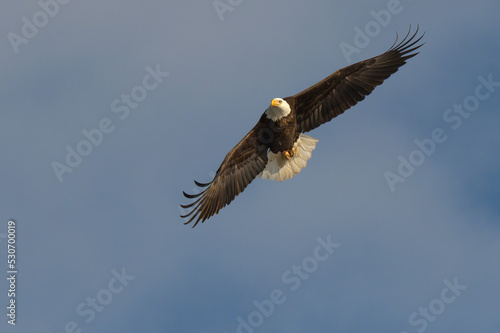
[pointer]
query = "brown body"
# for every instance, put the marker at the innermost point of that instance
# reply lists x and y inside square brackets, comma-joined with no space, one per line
[285,133]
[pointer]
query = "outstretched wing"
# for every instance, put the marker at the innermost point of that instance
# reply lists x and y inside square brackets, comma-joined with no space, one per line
[338,92]
[240,166]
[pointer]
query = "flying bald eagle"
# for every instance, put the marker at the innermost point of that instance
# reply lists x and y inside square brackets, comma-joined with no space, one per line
[275,148]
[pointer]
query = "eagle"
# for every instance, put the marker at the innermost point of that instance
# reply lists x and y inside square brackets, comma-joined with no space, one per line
[276,148]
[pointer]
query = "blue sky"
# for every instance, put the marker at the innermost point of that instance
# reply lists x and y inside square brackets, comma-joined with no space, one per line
[102,248]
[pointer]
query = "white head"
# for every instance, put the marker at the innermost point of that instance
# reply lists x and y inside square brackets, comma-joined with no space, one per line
[279,108]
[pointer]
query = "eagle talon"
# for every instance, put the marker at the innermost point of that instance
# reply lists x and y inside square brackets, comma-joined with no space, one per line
[289,153]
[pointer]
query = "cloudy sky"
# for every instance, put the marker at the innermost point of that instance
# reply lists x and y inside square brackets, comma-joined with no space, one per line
[109,110]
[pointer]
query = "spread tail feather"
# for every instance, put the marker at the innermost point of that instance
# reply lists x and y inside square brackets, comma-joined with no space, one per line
[279,168]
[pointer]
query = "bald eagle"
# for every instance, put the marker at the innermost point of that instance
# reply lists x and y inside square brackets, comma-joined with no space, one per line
[276,147]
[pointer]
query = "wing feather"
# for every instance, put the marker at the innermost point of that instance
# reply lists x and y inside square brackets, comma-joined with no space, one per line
[239,168]
[346,87]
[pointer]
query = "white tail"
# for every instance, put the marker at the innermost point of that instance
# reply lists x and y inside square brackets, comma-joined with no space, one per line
[279,168]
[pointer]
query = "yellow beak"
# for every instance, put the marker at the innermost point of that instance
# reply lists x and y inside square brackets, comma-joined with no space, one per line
[275,102]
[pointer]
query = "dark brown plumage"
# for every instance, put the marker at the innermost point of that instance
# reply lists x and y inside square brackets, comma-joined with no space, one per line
[310,108]
[240,166]
[338,92]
